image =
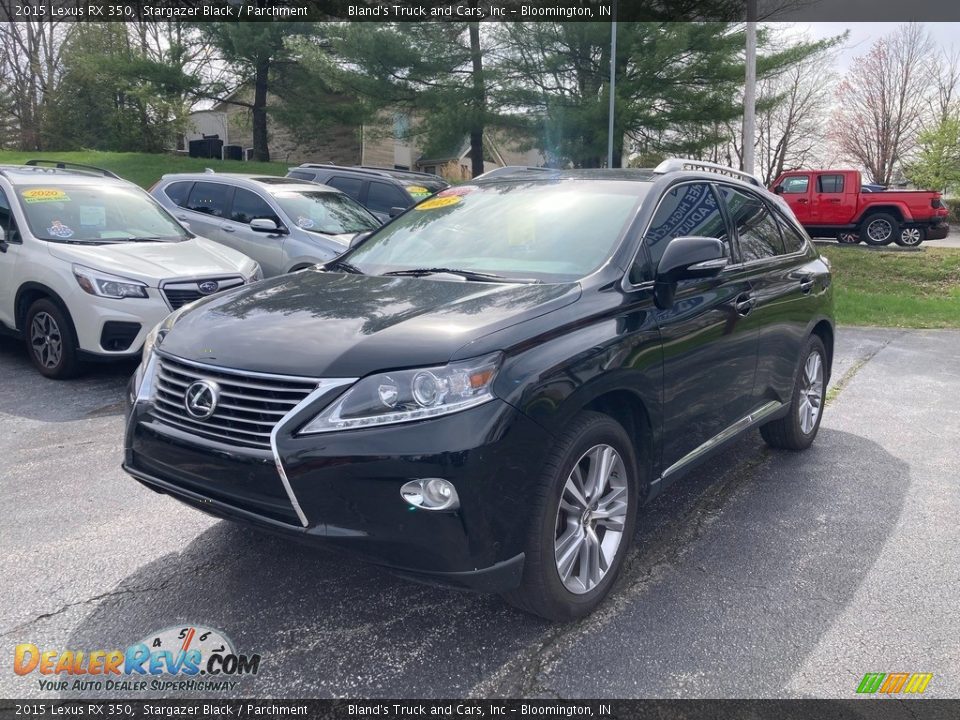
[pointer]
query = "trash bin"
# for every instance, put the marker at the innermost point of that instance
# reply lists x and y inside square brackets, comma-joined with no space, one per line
[233,152]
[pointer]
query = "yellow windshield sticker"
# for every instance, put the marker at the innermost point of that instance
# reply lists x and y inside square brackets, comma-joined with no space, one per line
[39,195]
[438,202]
[417,191]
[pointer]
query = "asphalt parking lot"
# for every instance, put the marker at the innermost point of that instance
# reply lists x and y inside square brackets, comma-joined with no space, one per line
[767,574]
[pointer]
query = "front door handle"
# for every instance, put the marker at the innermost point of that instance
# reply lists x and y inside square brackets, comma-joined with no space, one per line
[806,283]
[182,217]
[744,304]
[228,228]
[803,201]
[833,201]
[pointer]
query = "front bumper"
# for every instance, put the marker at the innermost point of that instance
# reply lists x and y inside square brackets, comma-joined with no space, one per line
[91,314]
[348,486]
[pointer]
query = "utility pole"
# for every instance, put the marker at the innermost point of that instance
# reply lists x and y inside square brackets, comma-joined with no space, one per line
[750,89]
[613,84]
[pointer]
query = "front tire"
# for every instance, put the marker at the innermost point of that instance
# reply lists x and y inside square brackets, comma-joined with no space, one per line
[880,229]
[797,429]
[583,518]
[848,237]
[51,343]
[911,236]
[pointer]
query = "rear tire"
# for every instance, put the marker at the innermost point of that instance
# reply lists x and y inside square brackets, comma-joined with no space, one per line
[911,236]
[575,549]
[848,237]
[797,429]
[51,343]
[880,229]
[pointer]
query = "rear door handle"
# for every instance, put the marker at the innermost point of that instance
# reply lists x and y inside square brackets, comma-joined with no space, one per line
[744,304]
[806,283]
[833,201]
[803,201]
[182,217]
[228,228]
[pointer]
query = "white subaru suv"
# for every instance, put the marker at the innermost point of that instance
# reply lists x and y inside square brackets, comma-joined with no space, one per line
[90,263]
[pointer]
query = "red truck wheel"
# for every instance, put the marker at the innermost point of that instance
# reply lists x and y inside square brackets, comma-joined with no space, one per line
[880,229]
[911,236]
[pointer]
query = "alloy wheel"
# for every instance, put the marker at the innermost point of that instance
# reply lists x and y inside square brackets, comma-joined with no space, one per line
[910,237]
[46,340]
[879,230]
[811,392]
[591,519]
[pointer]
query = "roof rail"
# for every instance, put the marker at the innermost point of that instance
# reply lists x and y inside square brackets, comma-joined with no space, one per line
[679,164]
[63,165]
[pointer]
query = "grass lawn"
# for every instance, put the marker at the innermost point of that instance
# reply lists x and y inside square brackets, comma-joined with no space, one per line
[144,168]
[896,289]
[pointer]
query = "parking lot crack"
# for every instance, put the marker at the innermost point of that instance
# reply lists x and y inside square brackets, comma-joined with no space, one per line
[845,379]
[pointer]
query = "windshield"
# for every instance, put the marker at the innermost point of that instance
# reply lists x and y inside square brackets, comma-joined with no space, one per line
[548,231]
[329,213]
[96,214]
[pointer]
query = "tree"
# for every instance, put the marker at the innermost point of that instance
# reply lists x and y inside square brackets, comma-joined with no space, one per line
[114,95]
[881,102]
[937,166]
[31,72]
[259,55]
[678,85]
[437,72]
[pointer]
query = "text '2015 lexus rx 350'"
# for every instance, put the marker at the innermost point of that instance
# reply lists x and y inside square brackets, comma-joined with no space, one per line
[484,391]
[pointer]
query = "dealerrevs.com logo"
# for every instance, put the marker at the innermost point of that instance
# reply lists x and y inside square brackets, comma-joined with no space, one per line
[175,659]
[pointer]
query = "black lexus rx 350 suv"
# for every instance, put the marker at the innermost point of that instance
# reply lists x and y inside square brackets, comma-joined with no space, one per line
[484,391]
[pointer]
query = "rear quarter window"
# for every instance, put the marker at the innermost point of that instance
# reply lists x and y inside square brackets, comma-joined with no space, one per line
[178,192]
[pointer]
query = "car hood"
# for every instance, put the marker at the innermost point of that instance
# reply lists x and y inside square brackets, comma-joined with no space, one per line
[151,262]
[324,324]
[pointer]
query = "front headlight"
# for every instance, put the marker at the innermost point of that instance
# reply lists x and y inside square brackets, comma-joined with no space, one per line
[106,285]
[147,362]
[407,395]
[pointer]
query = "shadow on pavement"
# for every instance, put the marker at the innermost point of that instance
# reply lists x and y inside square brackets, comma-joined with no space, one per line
[738,570]
[25,393]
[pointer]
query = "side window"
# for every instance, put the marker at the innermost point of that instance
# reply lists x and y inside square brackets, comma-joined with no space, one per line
[756,227]
[830,184]
[210,198]
[248,205]
[351,186]
[685,210]
[178,192]
[796,185]
[300,175]
[793,240]
[383,197]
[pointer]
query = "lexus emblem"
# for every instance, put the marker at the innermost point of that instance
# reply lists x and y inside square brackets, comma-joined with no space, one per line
[208,287]
[201,399]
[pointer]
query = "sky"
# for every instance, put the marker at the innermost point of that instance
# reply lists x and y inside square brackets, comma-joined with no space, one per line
[863,34]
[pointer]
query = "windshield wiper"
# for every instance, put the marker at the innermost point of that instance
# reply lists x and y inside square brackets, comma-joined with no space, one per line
[466,274]
[344,265]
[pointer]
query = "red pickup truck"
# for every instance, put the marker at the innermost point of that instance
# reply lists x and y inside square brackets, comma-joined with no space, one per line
[830,203]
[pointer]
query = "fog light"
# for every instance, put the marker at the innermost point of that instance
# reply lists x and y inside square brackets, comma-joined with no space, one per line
[431,494]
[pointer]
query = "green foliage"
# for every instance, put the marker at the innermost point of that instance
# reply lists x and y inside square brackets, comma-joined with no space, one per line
[678,84]
[112,96]
[938,165]
[896,289]
[954,206]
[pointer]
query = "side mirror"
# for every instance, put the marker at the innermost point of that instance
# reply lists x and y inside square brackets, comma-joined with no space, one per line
[264,225]
[394,211]
[778,189]
[359,238]
[686,258]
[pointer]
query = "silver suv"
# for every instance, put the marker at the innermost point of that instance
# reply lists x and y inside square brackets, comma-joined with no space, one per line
[283,224]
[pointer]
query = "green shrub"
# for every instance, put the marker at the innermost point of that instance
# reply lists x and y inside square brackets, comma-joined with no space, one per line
[954,205]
